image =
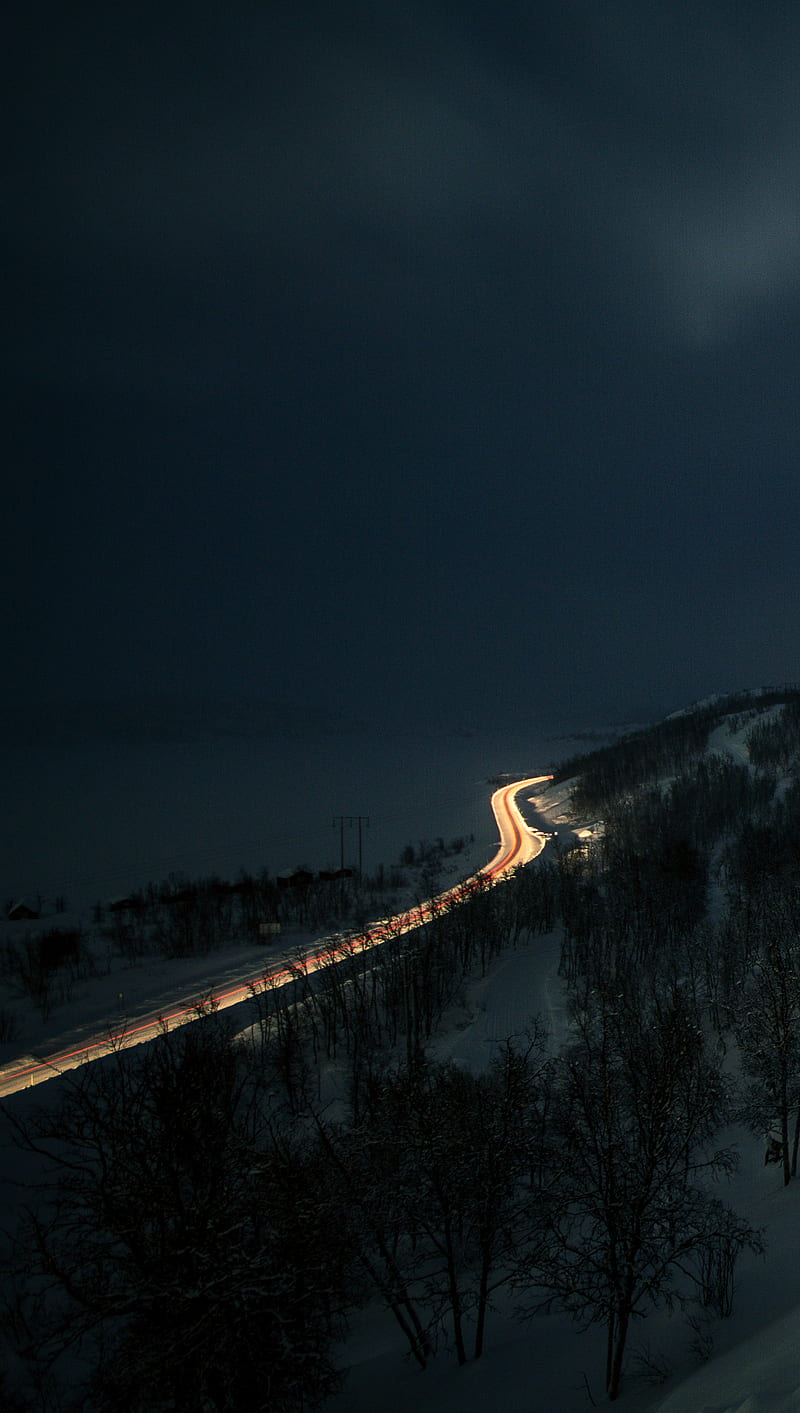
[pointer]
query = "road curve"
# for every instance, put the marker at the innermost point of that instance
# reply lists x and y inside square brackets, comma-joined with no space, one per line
[518,845]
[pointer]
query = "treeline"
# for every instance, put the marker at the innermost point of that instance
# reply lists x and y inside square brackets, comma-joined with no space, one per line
[644,883]
[44,969]
[181,917]
[210,1208]
[211,1187]
[212,1211]
[434,851]
[185,917]
[191,1247]
[656,752]
[215,1208]
[692,896]
[687,906]
[181,1249]
[775,743]
[356,1006]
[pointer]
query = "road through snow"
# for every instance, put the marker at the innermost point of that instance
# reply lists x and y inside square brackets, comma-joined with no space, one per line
[519,843]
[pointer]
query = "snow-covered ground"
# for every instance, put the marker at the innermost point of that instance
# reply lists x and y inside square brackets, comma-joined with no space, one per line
[549,1365]
[92,821]
[750,1361]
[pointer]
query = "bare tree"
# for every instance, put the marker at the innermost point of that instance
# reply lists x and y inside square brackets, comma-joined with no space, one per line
[457,1159]
[635,1224]
[177,1247]
[767,1022]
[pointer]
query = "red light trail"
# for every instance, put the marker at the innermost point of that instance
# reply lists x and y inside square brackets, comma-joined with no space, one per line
[518,845]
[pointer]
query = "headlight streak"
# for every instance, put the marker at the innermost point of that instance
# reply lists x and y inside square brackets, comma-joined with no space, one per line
[518,845]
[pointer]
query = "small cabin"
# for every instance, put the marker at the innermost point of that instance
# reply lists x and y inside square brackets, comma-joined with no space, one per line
[301,878]
[22,911]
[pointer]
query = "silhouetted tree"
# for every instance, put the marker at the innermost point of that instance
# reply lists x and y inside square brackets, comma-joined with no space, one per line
[637,1104]
[767,1022]
[180,1247]
[457,1160]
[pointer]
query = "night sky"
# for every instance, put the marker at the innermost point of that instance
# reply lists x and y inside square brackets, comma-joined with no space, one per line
[430,360]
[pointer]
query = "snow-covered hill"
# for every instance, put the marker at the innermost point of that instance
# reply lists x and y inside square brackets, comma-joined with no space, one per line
[747,1363]
[744,1364]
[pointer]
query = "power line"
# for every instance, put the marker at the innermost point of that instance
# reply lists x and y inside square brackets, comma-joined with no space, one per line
[339,821]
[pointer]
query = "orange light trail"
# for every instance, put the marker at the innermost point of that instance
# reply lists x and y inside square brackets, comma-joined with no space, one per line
[518,844]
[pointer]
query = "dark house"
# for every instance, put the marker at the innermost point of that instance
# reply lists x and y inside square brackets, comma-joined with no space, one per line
[301,878]
[22,911]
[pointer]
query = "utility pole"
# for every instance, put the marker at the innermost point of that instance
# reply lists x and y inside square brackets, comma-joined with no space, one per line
[350,819]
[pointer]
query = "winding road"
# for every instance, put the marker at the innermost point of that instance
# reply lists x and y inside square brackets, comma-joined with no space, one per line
[518,845]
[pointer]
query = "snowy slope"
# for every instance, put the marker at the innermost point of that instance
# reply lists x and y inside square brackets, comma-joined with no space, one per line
[552,1365]
[751,1360]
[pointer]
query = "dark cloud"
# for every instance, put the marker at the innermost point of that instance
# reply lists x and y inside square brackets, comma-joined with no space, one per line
[421,354]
